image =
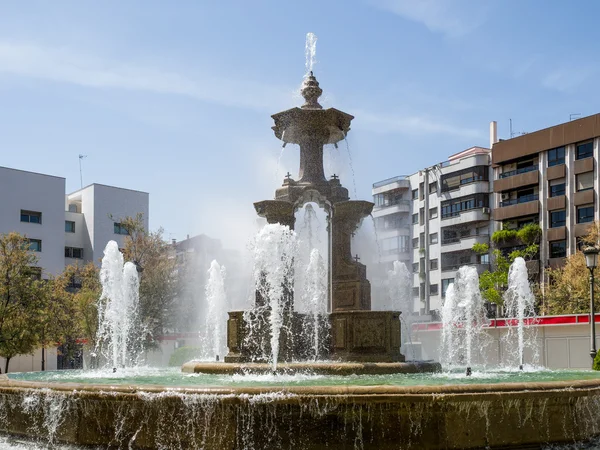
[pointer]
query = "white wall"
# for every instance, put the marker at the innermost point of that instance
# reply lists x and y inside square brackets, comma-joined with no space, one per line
[20,190]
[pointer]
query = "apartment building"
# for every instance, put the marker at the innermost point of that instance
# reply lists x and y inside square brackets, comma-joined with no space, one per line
[65,229]
[450,212]
[549,177]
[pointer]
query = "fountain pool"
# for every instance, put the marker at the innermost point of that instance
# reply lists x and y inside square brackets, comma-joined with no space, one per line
[164,408]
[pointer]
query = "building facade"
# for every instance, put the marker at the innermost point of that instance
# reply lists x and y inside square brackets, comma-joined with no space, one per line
[65,229]
[450,213]
[549,177]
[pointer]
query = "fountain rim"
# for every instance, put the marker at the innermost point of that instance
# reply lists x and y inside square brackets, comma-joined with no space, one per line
[342,391]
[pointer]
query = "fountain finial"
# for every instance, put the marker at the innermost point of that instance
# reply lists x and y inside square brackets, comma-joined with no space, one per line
[311,92]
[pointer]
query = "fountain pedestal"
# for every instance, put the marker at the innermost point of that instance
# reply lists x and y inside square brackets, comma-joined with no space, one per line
[355,332]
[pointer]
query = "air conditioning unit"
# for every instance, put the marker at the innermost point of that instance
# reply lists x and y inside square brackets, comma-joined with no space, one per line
[486,210]
[505,196]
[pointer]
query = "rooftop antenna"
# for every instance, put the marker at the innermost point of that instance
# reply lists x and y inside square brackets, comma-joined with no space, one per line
[573,115]
[80,169]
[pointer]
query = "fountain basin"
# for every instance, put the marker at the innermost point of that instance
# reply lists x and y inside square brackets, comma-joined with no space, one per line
[503,415]
[316,368]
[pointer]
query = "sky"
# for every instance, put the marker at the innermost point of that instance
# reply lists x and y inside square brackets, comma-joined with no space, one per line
[175,98]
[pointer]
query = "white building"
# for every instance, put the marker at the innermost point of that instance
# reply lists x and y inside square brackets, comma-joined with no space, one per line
[450,213]
[65,229]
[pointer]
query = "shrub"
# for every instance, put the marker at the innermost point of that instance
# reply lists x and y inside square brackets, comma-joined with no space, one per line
[183,355]
[529,234]
[503,236]
[596,365]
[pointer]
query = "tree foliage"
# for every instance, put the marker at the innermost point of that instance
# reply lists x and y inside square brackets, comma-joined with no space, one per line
[493,283]
[156,264]
[22,298]
[568,288]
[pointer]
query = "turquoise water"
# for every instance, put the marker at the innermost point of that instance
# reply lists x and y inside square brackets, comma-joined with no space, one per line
[174,377]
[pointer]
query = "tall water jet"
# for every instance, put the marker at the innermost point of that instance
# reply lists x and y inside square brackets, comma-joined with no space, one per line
[449,327]
[519,307]
[463,316]
[310,51]
[400,294]
[119,335]
[275,247]
[216,312]
[316,299]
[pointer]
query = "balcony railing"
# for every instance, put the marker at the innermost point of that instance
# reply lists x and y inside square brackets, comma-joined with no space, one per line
[448,215]
[519,171]
[460,238]
[393,203]
[522,199]
[390,181]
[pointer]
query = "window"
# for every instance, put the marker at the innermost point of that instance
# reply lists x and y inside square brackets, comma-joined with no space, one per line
[416,242]
[433,289]
[585,214]
[415,194]
[453,208]
[433,213]
[415,267]
[415,292]
[396,244]
[445,283]
[484,259]
[584,181]
[389,198]
[422,191]
[31,216]
[557,187]
[584,150]
[432,187]
[69,226]
[433,264]
[120,229]
[433,238]
[422,215]
[558,218]
[35,245]
[73,252]
[422,291]
[556,156]
[422,240]
[415,218]
[455,180]
[558,249]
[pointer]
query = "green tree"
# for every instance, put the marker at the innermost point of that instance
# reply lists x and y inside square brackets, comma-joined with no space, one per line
[156,264]
[23,297]
[493,283]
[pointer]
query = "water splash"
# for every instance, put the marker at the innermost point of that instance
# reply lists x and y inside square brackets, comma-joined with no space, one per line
[216,314]
[316,299]
[519,304]
[463,316]
[400,294]
[351,166]
[275,247]
[310,52]
[119,333]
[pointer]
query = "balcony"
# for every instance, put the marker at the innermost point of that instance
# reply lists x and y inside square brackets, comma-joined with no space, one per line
[399,182]
[522,199]
[583,165]
[554,203]
[454,267]
[464,243]
[528,208]
[517,178]
[471,188]
[480,214]
[583,197]
[556,233]
[400,206]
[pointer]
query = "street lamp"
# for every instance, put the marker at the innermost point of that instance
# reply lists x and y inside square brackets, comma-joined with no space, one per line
[591,261]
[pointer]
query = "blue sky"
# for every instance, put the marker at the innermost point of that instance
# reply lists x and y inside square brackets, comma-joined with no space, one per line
[175,98]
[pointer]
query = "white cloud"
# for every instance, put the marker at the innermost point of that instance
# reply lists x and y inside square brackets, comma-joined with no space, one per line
[65,66]
[390,123]
[453,18]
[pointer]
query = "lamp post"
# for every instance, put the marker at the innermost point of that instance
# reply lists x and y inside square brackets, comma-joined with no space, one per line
[591,261]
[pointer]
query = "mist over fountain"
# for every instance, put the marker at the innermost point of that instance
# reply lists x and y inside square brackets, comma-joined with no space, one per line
[120,336]
[399,281]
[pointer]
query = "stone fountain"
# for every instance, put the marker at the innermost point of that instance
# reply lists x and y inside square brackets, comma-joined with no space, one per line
[357,334]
